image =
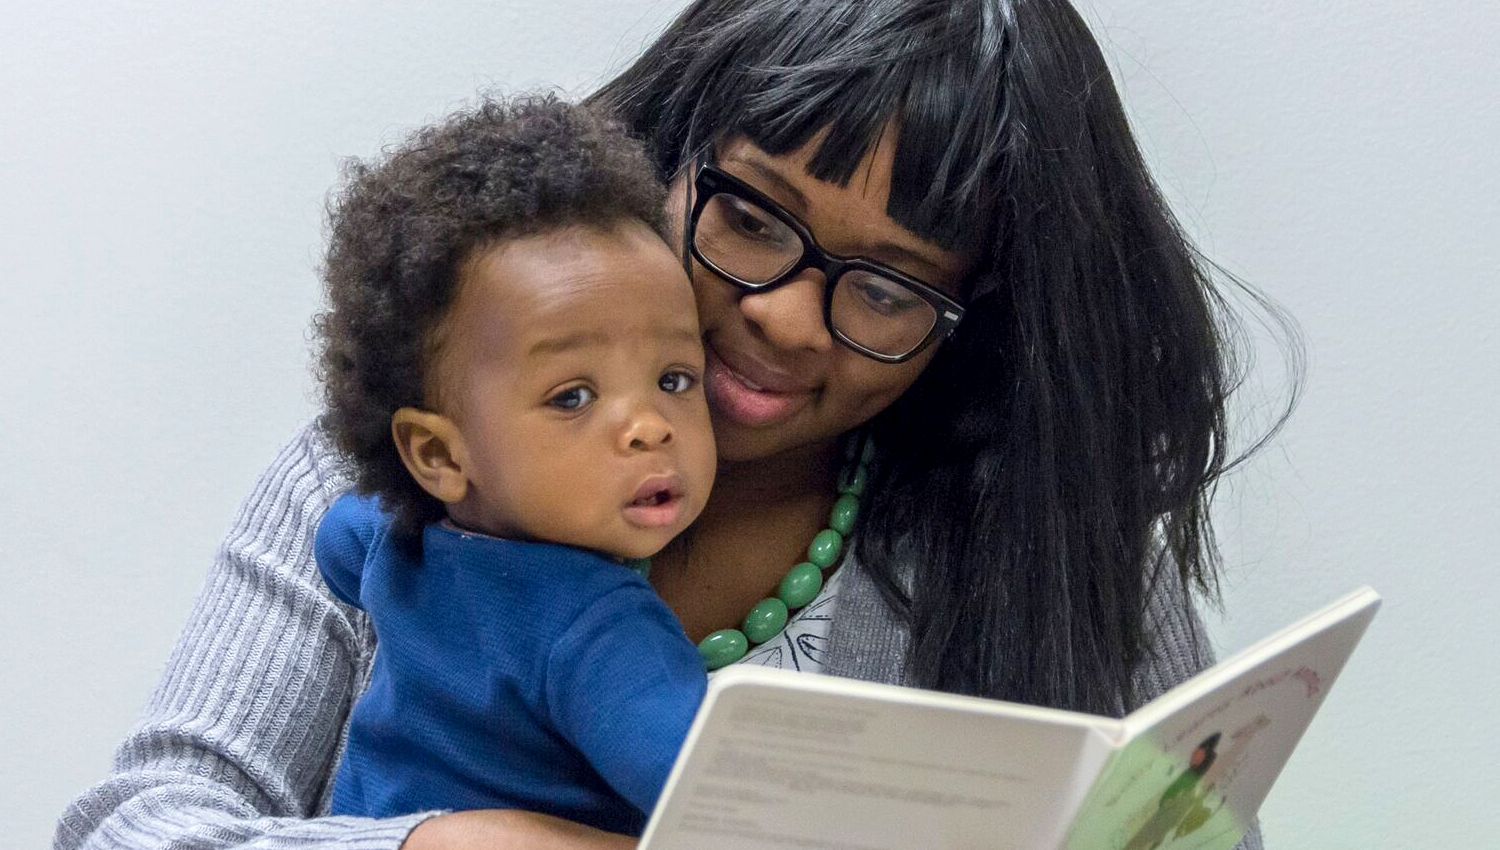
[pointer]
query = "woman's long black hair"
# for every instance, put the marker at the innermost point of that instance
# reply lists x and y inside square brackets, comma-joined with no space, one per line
[1059,454]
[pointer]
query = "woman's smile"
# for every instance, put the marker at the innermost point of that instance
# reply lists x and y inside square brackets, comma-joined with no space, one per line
[750,393]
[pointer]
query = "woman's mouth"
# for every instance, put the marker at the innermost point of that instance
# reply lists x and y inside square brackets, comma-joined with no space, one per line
[754,400]
[657,503]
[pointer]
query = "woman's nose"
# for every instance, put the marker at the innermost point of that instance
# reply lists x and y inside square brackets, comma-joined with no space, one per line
[791,315]
[645,430]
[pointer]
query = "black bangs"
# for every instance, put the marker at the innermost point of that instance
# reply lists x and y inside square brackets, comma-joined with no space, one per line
[781,73]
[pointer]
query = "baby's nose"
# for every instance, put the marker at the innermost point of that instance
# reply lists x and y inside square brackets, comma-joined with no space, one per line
[646,430]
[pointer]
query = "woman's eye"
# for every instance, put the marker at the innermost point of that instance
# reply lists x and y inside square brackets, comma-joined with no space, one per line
[574,398]
[750,223]
[883,298]
[676,382]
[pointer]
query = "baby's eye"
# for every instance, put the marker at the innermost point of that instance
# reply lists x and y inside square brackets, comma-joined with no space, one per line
[573,398]
[676,382]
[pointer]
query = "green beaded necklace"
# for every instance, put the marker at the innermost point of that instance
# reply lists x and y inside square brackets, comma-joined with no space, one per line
[802,583]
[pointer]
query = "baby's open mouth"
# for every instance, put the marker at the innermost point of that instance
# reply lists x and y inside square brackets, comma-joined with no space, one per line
[660,497]
[656,503]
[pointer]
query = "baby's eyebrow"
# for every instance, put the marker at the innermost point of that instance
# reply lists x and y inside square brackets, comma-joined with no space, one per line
[685,334]
[554,345]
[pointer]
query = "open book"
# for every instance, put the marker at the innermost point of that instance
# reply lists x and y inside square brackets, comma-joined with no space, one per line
[782,759]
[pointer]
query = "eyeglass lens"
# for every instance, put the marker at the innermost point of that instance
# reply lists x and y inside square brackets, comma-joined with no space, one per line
[748,243]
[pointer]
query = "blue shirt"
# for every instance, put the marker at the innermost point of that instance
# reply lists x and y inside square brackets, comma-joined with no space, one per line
[507,675]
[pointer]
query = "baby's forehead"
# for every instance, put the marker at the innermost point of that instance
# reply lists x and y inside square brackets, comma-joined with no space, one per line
[579,261]
[596,287]
[604,341]
[584,286]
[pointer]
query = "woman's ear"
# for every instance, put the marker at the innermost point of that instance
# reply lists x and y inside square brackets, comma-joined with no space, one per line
[433,451]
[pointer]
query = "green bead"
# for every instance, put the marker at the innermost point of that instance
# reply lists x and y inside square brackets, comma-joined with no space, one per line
[801,585]
[845,510]
[640,565]
[724,646]
[824,549]
[765,620]
[868,454]
[854,484]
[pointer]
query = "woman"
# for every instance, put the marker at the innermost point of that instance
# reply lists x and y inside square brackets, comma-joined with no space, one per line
[1045,434]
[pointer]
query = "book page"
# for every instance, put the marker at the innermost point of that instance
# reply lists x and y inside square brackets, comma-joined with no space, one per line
[789,760]
[1202,757]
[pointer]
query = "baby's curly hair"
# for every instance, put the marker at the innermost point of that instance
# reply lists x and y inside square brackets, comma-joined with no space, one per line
[401,228]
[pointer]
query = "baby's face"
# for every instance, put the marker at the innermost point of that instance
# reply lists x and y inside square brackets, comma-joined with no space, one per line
[571,363]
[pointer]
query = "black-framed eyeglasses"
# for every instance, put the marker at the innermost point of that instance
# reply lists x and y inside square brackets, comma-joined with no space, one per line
[750,241]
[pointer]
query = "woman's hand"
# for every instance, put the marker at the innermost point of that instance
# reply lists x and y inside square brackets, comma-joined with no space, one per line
[504,829]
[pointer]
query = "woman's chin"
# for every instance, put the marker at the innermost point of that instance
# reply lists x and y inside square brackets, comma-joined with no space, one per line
[739,444]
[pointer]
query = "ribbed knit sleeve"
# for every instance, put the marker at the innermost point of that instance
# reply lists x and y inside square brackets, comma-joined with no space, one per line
[239,739]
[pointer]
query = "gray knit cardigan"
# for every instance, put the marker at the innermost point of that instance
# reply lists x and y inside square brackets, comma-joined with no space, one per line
[239,740]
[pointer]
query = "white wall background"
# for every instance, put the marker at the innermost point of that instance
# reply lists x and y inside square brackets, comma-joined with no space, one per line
[162,170]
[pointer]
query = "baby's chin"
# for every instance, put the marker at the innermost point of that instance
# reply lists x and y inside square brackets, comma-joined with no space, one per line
[628,546]
[641,543]
[648,527]
[630,534]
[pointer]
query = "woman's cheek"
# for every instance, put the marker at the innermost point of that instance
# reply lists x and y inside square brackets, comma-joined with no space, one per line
[870,387]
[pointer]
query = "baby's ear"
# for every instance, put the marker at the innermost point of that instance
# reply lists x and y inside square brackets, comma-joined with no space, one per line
[433,451]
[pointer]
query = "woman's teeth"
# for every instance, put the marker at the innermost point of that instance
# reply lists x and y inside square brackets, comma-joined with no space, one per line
[747,382]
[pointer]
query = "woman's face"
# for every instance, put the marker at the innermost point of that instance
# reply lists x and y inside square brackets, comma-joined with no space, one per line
[776,380]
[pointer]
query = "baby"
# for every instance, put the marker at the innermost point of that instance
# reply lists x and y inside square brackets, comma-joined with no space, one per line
[512,363]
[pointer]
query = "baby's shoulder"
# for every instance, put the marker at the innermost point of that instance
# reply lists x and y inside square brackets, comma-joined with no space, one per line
[350,529]
[352,520]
